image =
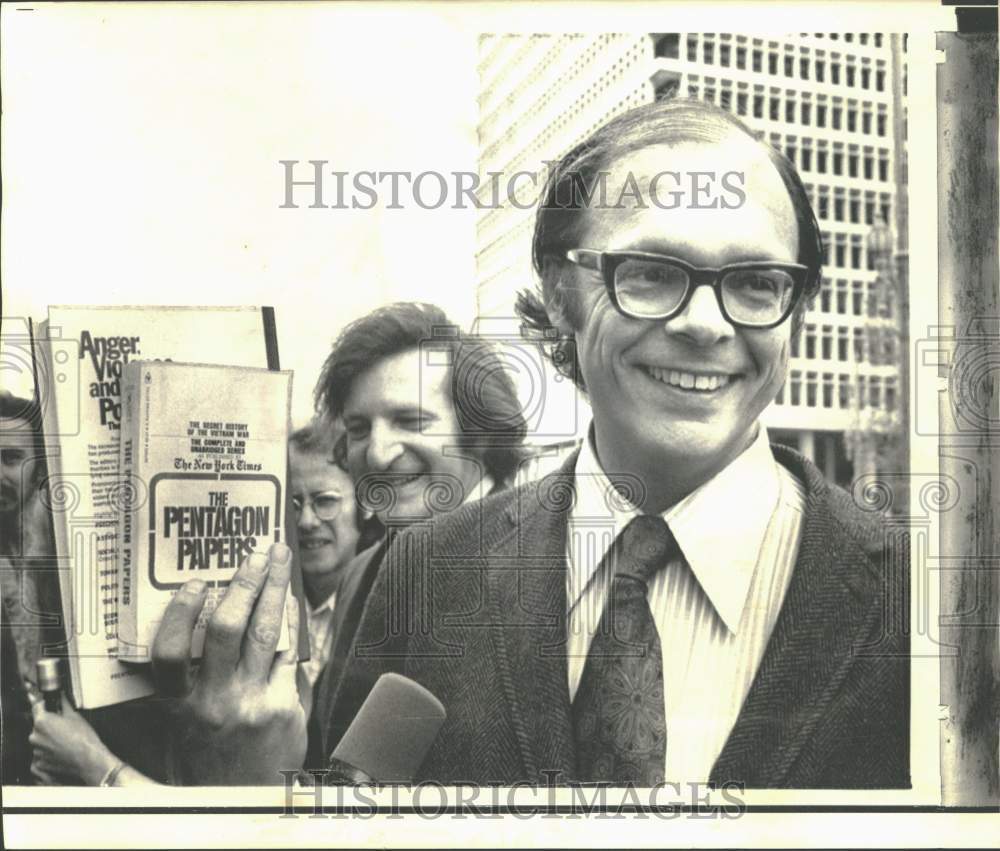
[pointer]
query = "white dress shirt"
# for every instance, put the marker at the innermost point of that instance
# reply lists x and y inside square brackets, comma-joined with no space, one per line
[320,638]
[714,609]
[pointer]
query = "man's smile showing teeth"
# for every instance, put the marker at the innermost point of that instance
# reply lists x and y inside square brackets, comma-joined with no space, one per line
[688,380]
[314,543]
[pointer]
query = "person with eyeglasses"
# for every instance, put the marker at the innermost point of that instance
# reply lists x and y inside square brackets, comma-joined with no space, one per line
[328,526]
[683,602]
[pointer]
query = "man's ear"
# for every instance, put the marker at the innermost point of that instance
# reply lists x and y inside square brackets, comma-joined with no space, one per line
[554,286]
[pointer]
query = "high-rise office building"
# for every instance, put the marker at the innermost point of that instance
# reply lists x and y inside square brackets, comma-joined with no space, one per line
[826,100]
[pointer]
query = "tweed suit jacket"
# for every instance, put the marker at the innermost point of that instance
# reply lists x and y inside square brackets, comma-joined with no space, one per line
[473,607]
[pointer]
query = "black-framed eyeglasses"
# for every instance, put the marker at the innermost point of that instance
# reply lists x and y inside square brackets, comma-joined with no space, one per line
[326,506]
[755,294]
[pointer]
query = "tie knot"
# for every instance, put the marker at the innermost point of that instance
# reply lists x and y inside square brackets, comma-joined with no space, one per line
[644,546]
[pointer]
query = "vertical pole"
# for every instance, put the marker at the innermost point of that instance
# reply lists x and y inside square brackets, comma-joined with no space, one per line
[970,425]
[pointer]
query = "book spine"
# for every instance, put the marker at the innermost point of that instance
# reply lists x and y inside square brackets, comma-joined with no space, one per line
[128,531]
[45,381]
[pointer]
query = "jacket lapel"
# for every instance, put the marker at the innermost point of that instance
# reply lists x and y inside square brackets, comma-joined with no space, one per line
[527,573]
[828,613]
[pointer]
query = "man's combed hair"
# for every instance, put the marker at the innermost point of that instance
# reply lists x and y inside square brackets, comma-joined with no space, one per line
[485,400]
[574,177]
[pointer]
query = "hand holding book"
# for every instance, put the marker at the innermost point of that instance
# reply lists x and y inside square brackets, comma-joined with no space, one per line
[240,716]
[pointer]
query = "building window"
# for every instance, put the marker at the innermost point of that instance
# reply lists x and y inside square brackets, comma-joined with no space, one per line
[838,209]
[835,73]
[789,66]
[852,120]
[826,343]
[710,94]
[741,103]
[806,159]
[795,387]
[758,61]
[806,113]
[849,73]
[821,157]
[692,48]
[838,163]
[863,38]
[741,58]
[789,112]
[837,114]
[890,394]
[855,252]
[811,389]
[823,207]
[758,106]
[852,165]
[825,239]
[869,211]
[825,297]
[724,54]
[866,78]
[790,151]
[820,68]
[883,169]
[866,122]
[878,39]
[708,52]
[827,389]
[868,166]
[841,297]
[880,124]
[874,391]
[842,344]
[859,345]
[810,336]
[857,299]
[795,345]
[772,64]
[775,112]
[669,46]
[884,199]
[880,80]
[844,391]
[855,211]
[821,115]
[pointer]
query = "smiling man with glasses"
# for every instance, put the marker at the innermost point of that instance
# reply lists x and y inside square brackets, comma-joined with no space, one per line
[683,601]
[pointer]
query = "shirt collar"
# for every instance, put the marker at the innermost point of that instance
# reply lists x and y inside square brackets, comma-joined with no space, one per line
[719,527]
[326,605]
[480,490]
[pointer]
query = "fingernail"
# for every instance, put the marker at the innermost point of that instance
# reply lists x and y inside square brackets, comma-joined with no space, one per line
[257,562]
[280,553]
[195,586]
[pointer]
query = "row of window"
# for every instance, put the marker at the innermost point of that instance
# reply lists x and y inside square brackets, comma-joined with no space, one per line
[830,390]
[865,118]
[849,209]
[837,72]
[878,346]
[854,164]
[849,37]
[870,299]
[841,255]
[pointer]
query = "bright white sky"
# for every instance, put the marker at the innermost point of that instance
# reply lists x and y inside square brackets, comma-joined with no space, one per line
[141,148]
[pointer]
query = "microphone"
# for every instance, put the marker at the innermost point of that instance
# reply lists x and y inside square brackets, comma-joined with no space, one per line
[47,670]
[390,736]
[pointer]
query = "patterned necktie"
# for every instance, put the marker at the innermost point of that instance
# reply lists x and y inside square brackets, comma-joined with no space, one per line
[618,720]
